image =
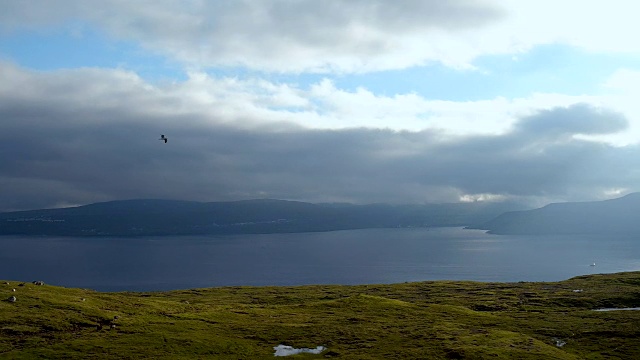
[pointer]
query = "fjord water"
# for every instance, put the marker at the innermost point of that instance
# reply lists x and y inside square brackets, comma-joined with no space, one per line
[367,256]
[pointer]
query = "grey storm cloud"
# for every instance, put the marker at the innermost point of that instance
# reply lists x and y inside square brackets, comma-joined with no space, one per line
[277,35]
[575,119]
[65,140]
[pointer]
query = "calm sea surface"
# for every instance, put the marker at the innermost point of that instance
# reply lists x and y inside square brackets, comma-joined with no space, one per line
[342,257]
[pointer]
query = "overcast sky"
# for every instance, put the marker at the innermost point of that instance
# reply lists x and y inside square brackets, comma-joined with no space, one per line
[404,101]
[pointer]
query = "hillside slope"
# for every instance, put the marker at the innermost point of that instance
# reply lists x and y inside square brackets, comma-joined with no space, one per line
[427,320]
[616,216]
[169,217]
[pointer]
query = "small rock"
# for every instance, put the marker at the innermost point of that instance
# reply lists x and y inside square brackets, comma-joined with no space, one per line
[13,289]
[6,283]
[116,317]
[39,283]
[21,284]
[83,299]
[12,299]
[113,326]
[578,290]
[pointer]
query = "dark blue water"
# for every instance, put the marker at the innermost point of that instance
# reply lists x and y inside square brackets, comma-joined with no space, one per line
[342,257]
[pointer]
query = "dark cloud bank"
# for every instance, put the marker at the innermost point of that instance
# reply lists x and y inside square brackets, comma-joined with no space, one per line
[64,141]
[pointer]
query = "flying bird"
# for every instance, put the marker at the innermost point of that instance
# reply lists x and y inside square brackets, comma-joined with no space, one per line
[162,137]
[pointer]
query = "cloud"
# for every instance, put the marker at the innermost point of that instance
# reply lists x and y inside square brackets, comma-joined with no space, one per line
[74,137]
[281,36]
[343,36]
[578,118]
[572,22]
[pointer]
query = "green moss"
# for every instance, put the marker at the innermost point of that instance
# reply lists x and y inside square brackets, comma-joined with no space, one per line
[433,320]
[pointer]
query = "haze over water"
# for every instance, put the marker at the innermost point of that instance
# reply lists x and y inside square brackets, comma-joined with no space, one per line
[367,256]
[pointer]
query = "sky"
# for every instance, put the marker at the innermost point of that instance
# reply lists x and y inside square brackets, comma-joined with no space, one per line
[360,101]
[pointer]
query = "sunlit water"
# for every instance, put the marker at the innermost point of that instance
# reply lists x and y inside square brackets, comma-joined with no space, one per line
[342,257]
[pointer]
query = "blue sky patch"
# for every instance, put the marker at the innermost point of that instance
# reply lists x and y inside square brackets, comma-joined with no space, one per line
[66,49]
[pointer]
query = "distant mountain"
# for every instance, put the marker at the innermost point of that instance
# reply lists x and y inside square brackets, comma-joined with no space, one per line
[169,217]
[620,215]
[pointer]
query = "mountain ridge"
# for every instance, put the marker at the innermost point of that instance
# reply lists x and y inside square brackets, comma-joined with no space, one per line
[619,215]
[143,217]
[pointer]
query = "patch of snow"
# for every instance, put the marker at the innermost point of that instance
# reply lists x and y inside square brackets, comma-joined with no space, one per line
[286,350]
[559,342]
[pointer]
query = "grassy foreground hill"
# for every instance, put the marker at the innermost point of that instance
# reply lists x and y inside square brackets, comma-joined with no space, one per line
[441,319]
